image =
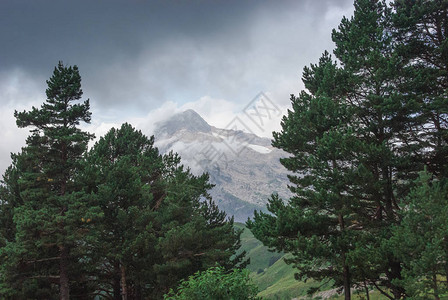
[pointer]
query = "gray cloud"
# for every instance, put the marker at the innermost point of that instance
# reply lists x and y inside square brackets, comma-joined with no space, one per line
[145,52]
[136,55]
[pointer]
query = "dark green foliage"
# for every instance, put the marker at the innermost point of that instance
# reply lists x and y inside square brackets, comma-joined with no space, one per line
[314,224]
[119,221]
[216,283]
[421,239]
[422,36]
[357,139]
[10,198]
[159,224]
[40,198]
[365,47]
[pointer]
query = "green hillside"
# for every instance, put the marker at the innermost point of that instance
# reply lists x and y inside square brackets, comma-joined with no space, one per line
[260,257]
[278,282]
[274,278]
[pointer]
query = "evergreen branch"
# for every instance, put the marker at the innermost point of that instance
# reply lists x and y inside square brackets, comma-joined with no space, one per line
[44,276]
[42,260]
[382,291]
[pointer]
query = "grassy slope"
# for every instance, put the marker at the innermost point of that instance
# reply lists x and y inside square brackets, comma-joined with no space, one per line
[260,256]
[278,282]
[274,278]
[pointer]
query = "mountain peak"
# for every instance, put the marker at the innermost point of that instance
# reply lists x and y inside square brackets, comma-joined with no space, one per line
[188,120]
[190,114]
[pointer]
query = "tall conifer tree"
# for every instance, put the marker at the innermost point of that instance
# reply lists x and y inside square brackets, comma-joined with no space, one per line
[347,171]
[159,224]
[47,218]
[421,239]
[422,36]
[315,224]
[365,47]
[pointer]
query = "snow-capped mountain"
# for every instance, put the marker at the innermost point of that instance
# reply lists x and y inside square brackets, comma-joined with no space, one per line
[245,168]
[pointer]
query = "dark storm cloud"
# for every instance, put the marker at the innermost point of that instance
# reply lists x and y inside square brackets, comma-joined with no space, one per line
[134,55]
[35,33]
[145,52]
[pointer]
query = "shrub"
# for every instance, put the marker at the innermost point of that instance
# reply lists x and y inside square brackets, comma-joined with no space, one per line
[216,283]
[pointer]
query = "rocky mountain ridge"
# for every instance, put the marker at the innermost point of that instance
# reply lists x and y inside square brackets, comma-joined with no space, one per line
[245,168]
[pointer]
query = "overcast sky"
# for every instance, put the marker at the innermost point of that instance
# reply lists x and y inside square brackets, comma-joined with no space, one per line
[142,61]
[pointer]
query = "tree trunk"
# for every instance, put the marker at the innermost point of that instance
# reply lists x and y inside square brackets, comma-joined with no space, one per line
[116,281]
[367,291]
[347,285]
[346,270]
[64,288]
[395,273]
[435,286]
[63,265]
[124,290]
[138,292]
[446,259]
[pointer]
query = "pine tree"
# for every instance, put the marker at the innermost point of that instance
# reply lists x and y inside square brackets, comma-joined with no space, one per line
[421,239]
[48,203]
[316,223]
[422,39]
[157,225]
[421,34]
[124,175]
[342,137]
[365,47]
